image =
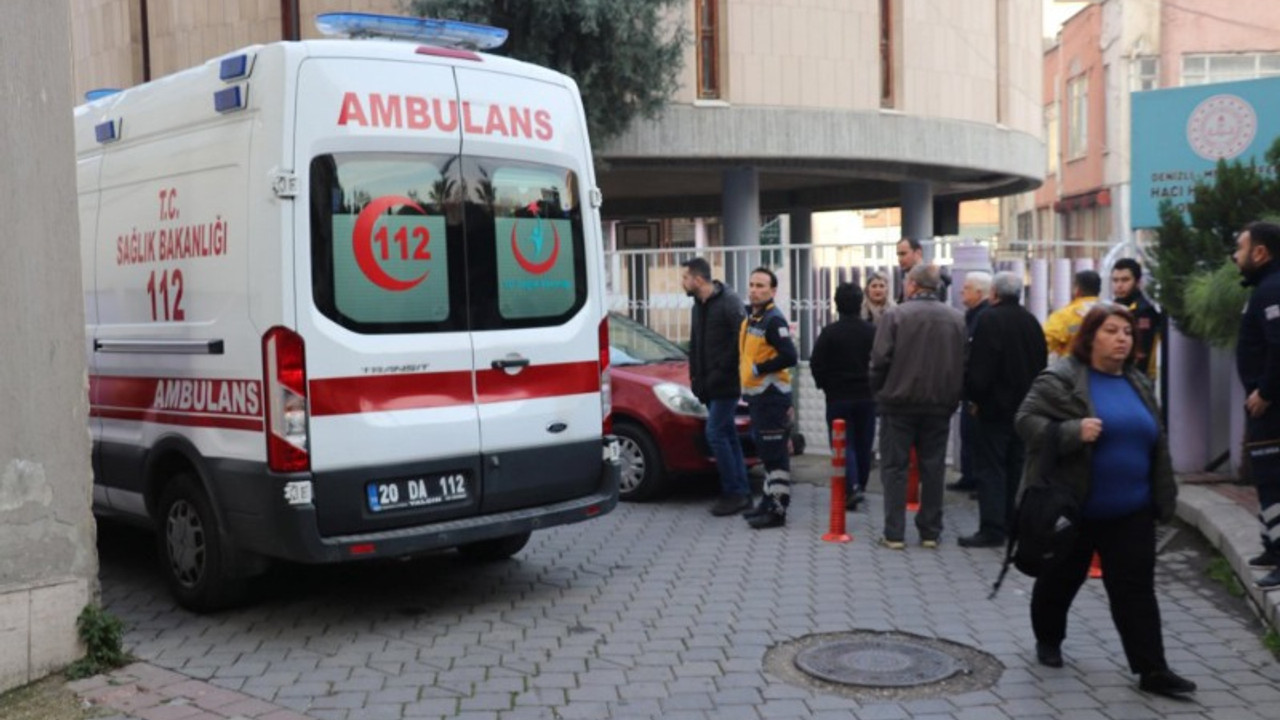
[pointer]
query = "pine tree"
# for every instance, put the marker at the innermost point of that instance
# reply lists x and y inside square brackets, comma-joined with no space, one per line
[625,55]
[1193,282]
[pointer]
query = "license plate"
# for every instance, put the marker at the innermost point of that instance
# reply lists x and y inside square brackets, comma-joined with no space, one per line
[418,492]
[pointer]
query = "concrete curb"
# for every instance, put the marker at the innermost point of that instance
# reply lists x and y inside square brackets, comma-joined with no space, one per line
[1233,530]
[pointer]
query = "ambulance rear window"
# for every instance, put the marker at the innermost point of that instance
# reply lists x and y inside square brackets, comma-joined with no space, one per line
[381,255]
[524,236]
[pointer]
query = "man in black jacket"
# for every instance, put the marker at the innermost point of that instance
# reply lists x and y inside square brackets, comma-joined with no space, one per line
[713,376]
[839,363]
[1258,362]
[1007,350]
[1126,288]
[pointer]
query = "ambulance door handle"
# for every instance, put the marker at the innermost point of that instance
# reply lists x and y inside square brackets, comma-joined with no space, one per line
[511,363]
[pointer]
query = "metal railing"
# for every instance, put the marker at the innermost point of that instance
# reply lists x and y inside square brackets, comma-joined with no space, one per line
[645,284]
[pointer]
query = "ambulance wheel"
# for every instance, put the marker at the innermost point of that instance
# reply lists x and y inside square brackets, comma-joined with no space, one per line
[495,549]
[193,551]
[643,477]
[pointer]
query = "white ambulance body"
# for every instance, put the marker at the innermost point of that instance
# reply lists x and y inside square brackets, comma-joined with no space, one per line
[345,300]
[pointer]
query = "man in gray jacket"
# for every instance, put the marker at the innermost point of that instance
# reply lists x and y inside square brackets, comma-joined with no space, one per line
[917,375]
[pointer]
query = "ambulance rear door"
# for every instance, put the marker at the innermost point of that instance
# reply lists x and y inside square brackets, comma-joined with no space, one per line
[382,302]
[532,244]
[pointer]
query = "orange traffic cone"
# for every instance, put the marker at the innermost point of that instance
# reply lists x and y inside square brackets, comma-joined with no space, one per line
[1095,567]
[837,531]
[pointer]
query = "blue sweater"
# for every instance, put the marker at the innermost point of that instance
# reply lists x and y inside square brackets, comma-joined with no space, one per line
[1122,454]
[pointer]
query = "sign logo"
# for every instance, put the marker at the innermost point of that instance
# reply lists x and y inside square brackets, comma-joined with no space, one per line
[538,238]
[362,244]
[1221,127]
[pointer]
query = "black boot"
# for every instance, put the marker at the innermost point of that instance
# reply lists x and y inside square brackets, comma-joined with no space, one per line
[775,516]
[1166,683]
[762,507]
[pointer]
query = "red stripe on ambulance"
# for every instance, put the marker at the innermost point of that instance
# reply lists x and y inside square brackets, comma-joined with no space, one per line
[350,395]
[380,393]
[201,402]
[538,381]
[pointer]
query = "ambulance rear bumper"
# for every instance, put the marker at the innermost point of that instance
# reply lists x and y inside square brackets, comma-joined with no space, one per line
[262,522]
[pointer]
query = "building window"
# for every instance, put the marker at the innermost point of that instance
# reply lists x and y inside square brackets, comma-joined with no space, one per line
[1215,68]
[887,96]
[1145,73]
[1026,223]
[708,49]
[1051,137]
[1077,116]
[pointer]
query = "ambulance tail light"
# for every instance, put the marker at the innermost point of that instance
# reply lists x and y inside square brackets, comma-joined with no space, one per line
[284,371]
[606,387]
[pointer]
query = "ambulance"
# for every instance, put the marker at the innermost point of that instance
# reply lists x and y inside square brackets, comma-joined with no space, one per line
[344,300]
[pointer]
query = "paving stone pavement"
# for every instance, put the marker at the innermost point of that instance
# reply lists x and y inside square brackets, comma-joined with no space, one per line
[661,611]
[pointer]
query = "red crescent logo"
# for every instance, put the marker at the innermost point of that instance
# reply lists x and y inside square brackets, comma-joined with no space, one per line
[362,244]
[529,266]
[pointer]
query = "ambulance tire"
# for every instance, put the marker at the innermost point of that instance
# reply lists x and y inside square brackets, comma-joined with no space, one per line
[193,552]
[495,549]
[643,475]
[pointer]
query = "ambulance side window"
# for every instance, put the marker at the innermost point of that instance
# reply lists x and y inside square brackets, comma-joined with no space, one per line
[524,244]
[386,236]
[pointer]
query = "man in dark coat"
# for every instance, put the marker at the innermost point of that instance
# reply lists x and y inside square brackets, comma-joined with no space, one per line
[713,376]
[975,295]
[1126,288]
[839,363]
[1258,362]
[1007,350]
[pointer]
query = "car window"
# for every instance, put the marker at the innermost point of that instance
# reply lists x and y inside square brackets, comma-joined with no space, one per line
[631,343]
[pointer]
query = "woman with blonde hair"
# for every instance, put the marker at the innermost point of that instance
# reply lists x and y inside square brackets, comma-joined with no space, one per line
[875,297]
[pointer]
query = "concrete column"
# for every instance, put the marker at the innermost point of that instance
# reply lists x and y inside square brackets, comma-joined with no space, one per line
[917,213]
[1061,289]
[966,258]
[48,556]
[1188,402]
[1038,297]
[699,233]
[740,209]
[800,254]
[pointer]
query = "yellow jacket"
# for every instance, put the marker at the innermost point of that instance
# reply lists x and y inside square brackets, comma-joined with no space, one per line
[765,351]
[1061,327]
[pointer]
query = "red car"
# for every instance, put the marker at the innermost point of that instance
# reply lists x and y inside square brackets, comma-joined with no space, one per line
[659,422]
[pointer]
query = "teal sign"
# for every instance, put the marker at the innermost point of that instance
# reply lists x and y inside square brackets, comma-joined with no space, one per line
[1178,135]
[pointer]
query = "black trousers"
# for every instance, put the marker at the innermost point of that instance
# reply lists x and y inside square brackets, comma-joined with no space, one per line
[1262,444]
[997,464]
[1127,548]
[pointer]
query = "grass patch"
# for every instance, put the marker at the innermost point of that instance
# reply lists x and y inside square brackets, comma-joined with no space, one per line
[1272,642]
[103,636]
[1220,571]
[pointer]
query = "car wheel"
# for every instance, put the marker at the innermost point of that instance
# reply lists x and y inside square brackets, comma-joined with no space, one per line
[495,549]
[643,477]
[195,555]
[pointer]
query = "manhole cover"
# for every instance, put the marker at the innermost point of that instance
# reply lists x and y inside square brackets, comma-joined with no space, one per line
[879,666]
[878,662]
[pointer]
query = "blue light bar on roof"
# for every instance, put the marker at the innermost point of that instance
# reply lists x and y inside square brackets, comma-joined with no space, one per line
[445,33]
[99,93]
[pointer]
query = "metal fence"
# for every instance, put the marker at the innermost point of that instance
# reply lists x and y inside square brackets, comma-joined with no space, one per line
[645,284]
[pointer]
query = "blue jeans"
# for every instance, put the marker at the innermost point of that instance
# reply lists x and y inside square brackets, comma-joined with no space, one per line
[859,428]
[722,437]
